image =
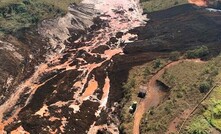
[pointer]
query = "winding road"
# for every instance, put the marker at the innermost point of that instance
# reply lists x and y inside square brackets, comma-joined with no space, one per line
[154,95]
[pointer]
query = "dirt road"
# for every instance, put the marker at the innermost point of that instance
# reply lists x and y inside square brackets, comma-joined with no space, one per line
[154,95]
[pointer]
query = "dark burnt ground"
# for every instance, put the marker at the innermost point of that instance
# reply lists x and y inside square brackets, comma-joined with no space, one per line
[178,29]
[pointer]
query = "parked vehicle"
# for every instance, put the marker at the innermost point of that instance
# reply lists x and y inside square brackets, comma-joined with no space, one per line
[133,107]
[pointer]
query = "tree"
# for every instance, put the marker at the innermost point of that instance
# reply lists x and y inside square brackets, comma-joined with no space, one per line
[157,63]
[198,53]
[204,87]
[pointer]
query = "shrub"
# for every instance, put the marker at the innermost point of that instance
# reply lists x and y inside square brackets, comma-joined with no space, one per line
[157,63]
[198,53]
[217,111]
[213,113]
[180,94]
[199,126]
[204,87]
[174,56]
[27,2]
[146,72]
[130,84]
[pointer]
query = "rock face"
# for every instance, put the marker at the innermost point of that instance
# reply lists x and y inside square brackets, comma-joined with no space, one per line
[77,87]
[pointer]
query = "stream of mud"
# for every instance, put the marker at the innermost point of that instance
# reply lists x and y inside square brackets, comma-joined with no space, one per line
[70,90]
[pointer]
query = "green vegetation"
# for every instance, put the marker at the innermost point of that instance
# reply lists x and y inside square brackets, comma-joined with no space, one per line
[18,14]
[157,63]
[211,106]
[198,53]
[138,75]
[204,86]
[174,56]
[156,5]
[190,82]
[212,113]
[199,125]
[57,3]
[184,79]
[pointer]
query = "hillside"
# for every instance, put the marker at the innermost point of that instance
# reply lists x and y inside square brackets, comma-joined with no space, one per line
[18,14]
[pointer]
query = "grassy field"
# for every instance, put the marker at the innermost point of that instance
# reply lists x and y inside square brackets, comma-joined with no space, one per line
[156,5]
[18,14]
[210,111]
[213,112]
[207,117]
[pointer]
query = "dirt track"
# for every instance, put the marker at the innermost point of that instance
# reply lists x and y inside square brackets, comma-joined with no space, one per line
[153,95]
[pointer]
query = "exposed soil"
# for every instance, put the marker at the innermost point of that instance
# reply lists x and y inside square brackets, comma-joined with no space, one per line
[173,126]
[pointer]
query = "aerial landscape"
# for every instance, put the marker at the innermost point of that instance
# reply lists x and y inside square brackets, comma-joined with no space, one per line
[110,66]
